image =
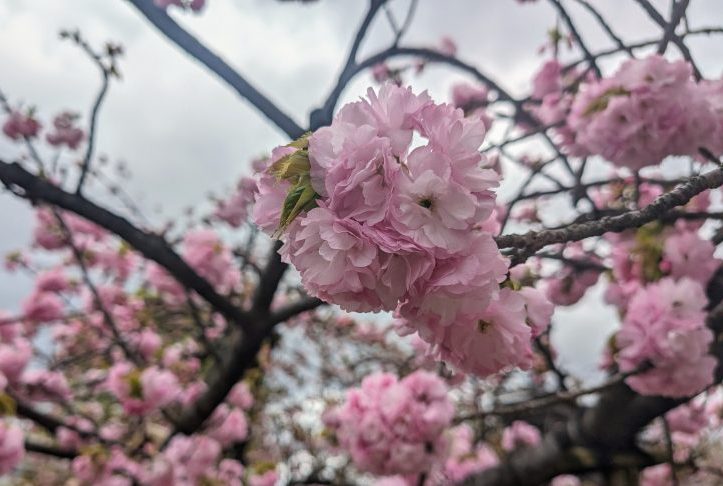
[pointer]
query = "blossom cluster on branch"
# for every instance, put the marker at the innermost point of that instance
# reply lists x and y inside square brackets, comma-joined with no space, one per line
[373,223]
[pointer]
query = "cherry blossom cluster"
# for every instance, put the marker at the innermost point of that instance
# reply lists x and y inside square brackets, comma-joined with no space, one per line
[462,458]
[665,326]
[23,125]
[12,448]
[647,110]
[19,125]
[391,426]
[658,280]
[372,223]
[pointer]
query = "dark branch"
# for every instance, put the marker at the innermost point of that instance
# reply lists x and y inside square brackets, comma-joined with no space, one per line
[576,35]
[322,116]
[201,53]
[47,450]
[677,40]
[150,245]
[679,8]
[296,308]
[534,240]
[605,26]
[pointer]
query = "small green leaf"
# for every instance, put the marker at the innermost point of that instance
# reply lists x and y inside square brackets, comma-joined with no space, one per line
[307,201]
[302,142]
[134,383]
[301,197]
[7,404]
[601,103]
[291,167]
[289,204]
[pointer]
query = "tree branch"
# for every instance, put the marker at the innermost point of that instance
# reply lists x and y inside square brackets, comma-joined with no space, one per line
[150,245]
[174,32]
[576,35]
[534,240]
[679,8]
[296,308]
[322,116]
[605,26]
[47,450]
[658,19]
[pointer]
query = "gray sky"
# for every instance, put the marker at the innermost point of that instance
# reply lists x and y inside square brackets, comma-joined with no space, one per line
[183,133]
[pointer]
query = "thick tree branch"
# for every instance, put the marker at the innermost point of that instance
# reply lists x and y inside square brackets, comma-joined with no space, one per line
[202,54]
[243,348]
[296,308]
[535,240]
[677,40]
[322,116]
[151,246]
[48,450]
[678,11]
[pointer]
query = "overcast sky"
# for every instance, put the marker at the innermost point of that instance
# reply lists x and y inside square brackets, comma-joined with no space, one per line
[183,133]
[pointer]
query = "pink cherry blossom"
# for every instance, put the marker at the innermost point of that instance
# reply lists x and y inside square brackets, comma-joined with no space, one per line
[464,285]
[497,339]
[43,307]
[565,480]
[240,396]
[229,425]
[206,253]
[463,457]
[12,447]
[192,457]
[688,255]
[447,46]
[431,207]
[649,109]
[336,259]
[539,310]
[44,384]
[65,132]
[268,478]
[14,357]
[270,194]
[656,476]
[235,209]
[472,99]
[392,426]
[665,326]
[520,434]
[569,284]
[19,125]
[142,392]
[148,343]
[381,72]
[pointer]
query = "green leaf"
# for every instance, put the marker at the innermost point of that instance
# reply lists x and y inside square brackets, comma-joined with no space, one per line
[7,404]
[134,382]
[301,197]
[601,103]
[302,142]
[291,167]
[307,201]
